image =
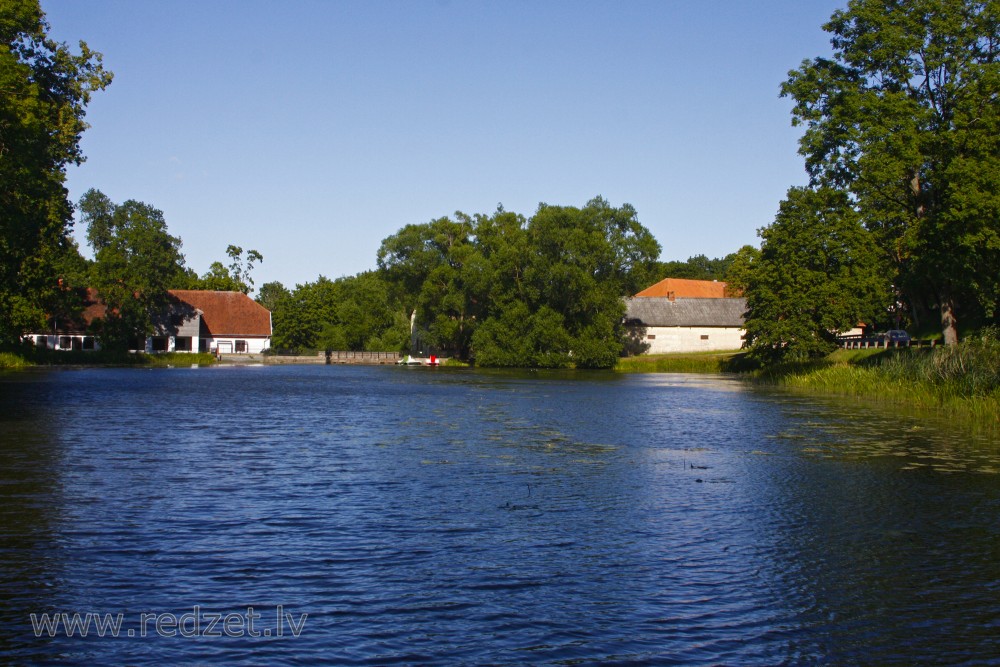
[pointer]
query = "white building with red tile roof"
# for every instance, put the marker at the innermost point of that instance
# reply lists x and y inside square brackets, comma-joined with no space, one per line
[195,321]
[228,323]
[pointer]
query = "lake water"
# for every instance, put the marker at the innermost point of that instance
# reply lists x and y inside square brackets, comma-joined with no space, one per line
[437,516]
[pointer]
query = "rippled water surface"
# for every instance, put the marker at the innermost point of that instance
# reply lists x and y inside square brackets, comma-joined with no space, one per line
[425,516]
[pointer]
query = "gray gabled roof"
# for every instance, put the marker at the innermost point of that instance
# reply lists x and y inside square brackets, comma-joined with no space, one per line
[663,312]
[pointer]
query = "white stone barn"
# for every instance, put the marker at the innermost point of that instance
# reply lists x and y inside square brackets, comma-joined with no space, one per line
[686,325]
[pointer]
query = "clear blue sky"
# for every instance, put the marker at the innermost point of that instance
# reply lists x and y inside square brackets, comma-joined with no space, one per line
[311,130]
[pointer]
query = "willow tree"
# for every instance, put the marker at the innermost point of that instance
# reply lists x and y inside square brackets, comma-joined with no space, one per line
[555,296]
[508,291]
[435,269]
[905,117]
[44,91]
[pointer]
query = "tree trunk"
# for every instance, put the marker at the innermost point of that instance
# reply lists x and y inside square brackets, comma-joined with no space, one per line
[948,321]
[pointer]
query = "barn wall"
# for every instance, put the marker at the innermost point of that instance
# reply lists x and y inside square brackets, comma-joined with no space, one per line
[692,339]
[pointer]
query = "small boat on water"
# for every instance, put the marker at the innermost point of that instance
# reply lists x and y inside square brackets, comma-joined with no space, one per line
[410,360]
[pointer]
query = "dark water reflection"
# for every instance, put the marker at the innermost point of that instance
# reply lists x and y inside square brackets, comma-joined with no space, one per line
[467,518]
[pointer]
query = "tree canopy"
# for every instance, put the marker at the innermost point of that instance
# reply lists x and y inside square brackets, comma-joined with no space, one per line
[45,91]
[819,272]
[435,269]
[509,291]
[234,278]
[135,262]
[905,118]
[499,289]
[696,267]
[350,313]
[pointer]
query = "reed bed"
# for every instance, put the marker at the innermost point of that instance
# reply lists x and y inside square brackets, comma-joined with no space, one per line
[961,380]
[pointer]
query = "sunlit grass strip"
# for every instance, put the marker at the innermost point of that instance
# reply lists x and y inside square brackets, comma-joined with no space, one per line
[181,359]
[693,362]
[961,381]
[875,385]
[969,369]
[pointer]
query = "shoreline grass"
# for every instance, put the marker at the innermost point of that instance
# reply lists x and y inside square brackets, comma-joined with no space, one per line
[961,381]
[98,358]
[686,362]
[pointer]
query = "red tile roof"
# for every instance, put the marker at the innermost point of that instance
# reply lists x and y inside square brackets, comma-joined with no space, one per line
[228,313]
[683,288]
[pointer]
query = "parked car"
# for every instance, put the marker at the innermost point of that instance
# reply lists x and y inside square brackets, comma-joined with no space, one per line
[896,336]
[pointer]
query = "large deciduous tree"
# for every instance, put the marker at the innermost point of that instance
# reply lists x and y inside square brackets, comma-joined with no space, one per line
[906,118]
[500,289]
[818,272]
[436,268]
[514,292]
[135,262]
[583,261]
[44,91]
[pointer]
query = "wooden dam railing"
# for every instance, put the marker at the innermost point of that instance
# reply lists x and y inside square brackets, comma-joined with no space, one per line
[335,357]
[346,357]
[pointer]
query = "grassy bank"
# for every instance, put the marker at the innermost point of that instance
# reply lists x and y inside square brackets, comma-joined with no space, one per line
[691,362]
[15,360]
[963,381]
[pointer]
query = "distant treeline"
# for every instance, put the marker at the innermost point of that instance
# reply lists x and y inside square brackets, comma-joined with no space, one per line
[499,289]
